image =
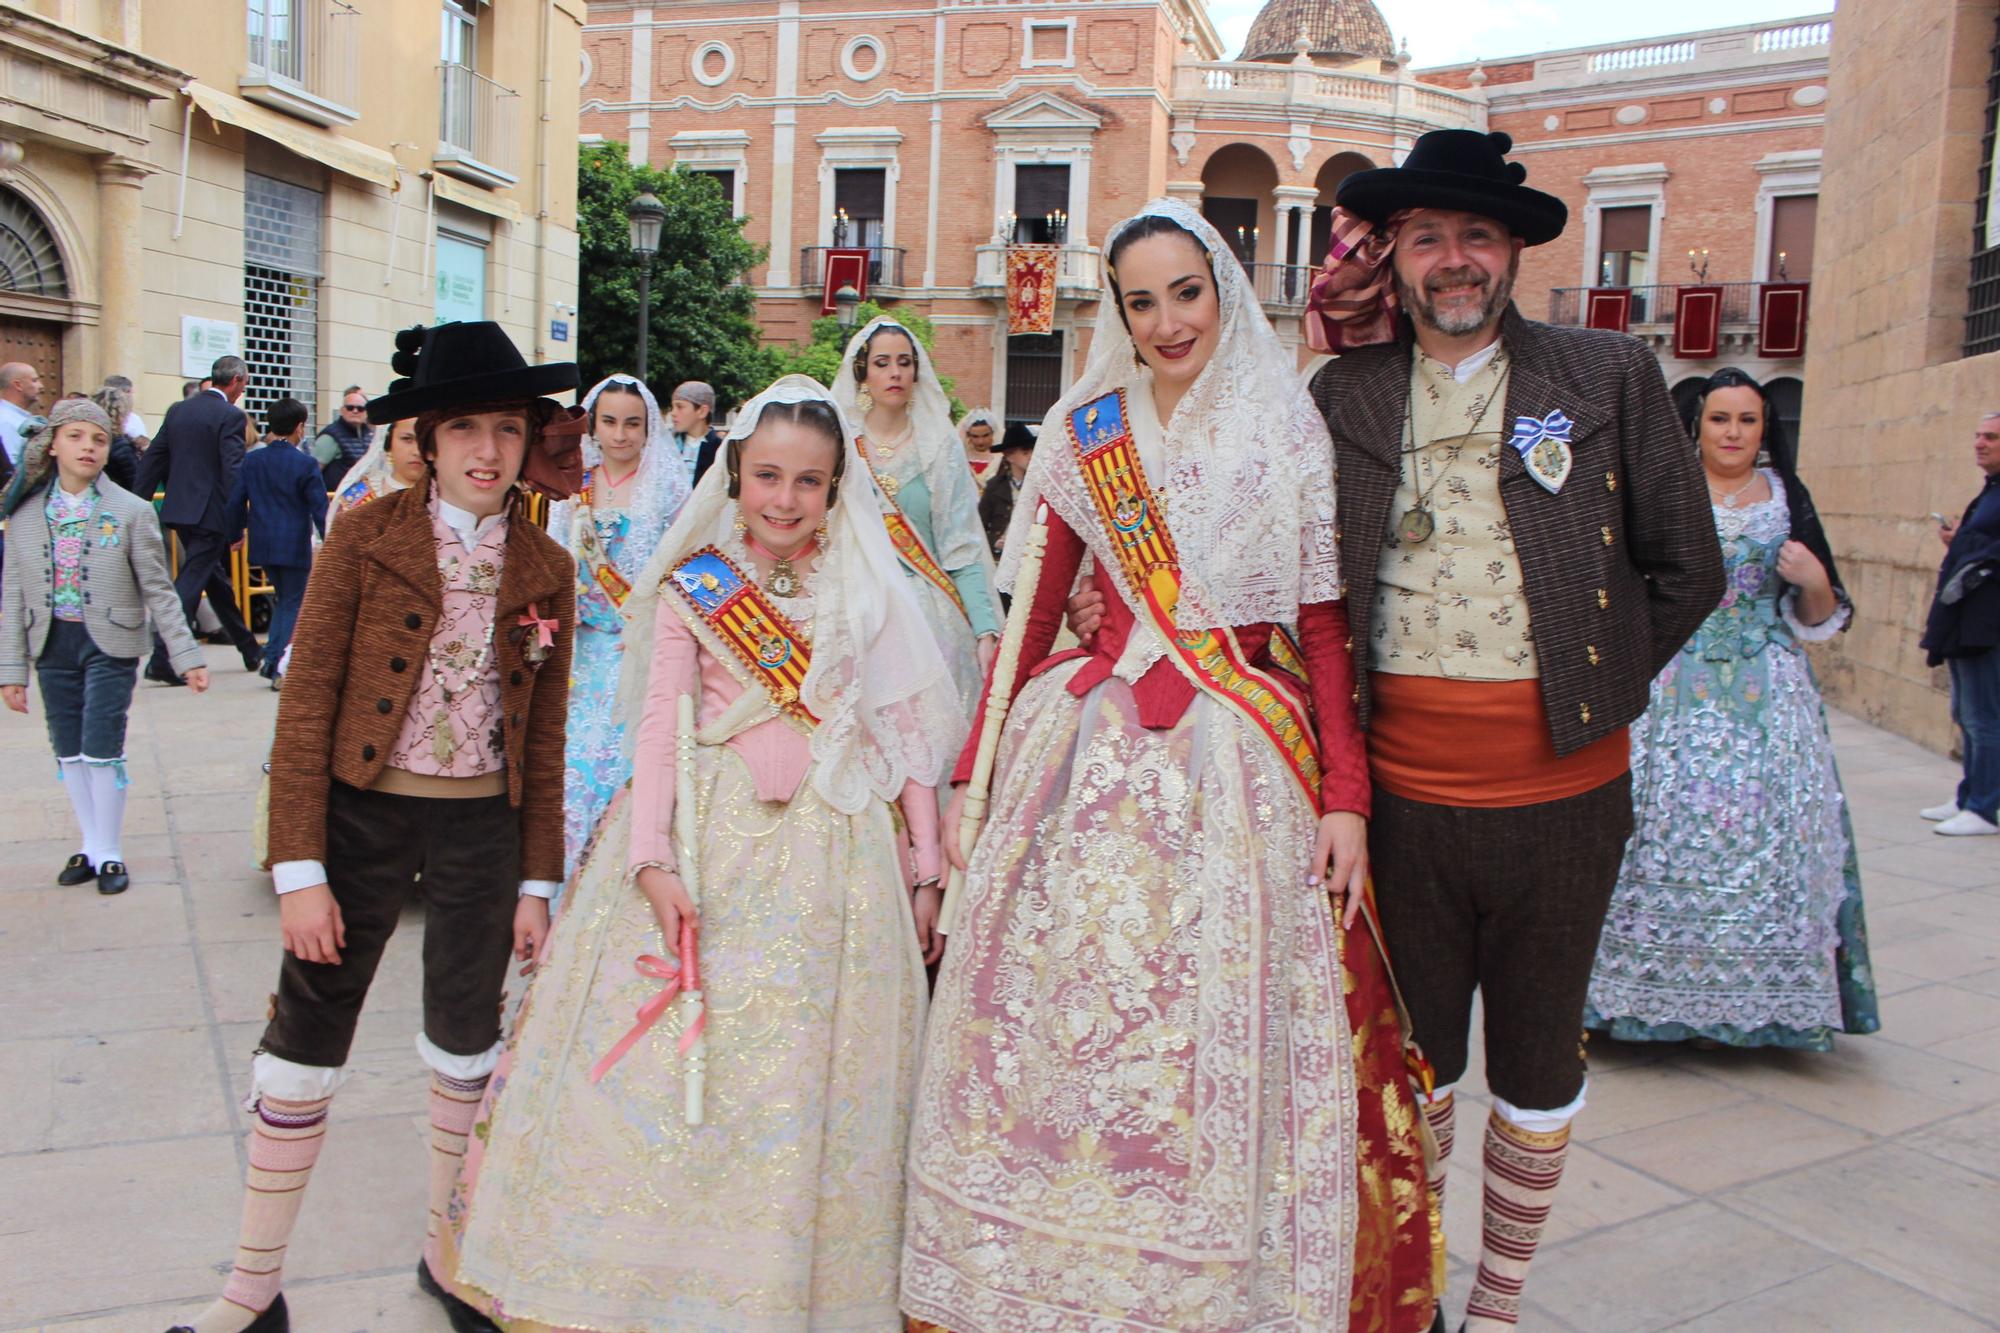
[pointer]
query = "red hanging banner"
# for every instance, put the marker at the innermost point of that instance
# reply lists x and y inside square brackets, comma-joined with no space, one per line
[1698,323]
[1031,288]
[844,268]
[1781,319]
[1608,308]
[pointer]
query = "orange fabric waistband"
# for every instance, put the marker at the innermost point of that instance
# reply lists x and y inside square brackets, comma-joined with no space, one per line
[402,782]
[1478,743]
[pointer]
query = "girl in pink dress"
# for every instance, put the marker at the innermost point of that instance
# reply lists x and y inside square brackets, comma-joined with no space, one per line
[823,706]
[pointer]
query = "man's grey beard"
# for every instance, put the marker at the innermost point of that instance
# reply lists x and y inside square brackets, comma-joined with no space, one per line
[1461,321]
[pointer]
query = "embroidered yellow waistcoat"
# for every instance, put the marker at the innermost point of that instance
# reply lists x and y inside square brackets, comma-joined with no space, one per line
[1453,605]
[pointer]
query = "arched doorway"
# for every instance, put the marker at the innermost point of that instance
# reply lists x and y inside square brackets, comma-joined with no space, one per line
[1331,173]
[1687,400]
[31,265]
[1788,405]
[1237,185]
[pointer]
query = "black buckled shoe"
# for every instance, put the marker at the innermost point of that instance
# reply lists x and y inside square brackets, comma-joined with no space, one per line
[112,878]
[464,1319]
[76,870]
[275,1319]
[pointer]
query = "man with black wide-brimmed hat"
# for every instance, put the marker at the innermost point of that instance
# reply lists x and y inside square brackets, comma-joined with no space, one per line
[420,737]
[1528,541]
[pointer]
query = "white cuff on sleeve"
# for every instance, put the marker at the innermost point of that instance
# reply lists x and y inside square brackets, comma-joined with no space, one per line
[291,876]
[539,888]
[1788,607]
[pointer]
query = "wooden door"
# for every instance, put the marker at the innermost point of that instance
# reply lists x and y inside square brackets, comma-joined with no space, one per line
[39,343]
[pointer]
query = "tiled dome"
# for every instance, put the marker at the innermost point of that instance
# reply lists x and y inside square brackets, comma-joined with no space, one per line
[1345,28]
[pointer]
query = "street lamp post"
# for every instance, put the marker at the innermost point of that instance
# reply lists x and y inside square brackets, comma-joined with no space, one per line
[846,304]
[647,215]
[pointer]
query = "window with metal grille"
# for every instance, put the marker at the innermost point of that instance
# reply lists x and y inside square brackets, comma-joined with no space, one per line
[1982,316]
[1034,375]
[281,273]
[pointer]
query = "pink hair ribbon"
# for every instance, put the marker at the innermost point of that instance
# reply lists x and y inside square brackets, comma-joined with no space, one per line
[684,975]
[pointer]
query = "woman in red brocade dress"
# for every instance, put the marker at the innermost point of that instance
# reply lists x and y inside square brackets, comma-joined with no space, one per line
[1164,1085]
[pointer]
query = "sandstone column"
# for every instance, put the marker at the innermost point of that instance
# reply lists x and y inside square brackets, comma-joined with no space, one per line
[121,278]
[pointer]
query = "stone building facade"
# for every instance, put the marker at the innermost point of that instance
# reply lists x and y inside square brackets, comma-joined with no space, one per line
[1906,346]
[288,179]
[1674,153]
[946,128]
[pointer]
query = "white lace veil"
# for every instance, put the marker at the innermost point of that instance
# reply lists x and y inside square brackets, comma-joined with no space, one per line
[658,492]
[888,711]
[935,449]
[375,467]
[1244,469]
[981,416]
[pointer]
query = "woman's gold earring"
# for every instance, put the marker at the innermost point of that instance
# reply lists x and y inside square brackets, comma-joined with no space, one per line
[864,400]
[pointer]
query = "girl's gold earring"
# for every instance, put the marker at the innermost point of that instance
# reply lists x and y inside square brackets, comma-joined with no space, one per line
[741,526]
[819,534]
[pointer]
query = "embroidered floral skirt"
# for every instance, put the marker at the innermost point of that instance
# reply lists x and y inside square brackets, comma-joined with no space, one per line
[1141,1107]
[1738,914]
[594,764]
[595,1206]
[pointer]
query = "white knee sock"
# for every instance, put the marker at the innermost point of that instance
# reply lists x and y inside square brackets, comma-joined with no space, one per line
[107,798]
[76,781]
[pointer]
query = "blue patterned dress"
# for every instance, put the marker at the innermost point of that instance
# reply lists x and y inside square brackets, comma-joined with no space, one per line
[1737,917]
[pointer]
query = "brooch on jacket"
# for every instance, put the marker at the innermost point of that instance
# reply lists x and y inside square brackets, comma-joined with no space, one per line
[107,531]
[1544,447]
[541,635]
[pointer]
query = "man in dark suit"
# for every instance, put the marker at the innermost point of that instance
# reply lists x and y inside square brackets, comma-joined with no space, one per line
[1527,541]
[196,453]
[996,502]
[280,496]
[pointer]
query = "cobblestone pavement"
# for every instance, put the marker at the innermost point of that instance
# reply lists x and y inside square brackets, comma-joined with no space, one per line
[1716,1191]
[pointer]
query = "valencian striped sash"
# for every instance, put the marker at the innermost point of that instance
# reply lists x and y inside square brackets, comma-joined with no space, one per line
[1137,530]
[910,548]
[735,609]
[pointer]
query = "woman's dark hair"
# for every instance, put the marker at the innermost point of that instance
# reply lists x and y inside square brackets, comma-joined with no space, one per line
[1806,527]
[1777,445]
[860,362]
[1152,224]
[814,416]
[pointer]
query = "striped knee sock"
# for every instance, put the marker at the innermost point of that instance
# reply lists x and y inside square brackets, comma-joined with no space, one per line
[1523,1168]
[284,1143]
[454,1106]
[1441,1114]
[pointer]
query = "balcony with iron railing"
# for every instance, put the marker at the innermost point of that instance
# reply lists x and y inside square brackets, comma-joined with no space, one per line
[1655,308]
[304,58]
[476,123]
[1220,86]
[1282,287]
[885,265]
[1077,272]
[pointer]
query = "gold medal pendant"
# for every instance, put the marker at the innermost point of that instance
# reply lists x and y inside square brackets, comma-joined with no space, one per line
[1416,526]
[444,743]
[784,580]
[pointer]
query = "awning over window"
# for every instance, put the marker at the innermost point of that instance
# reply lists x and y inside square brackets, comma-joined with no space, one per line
[472,197]
[348,156]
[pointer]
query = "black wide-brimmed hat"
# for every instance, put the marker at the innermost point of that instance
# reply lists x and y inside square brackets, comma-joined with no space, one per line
[461,365]
[1461,170]
[1018,436]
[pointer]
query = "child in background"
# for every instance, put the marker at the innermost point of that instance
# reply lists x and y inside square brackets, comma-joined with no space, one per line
[86,567]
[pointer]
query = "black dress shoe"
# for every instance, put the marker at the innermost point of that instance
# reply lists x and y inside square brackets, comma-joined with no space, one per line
[275,1319]
[253,658]
[157,670]
[464,1319]
[111,877]
[76,870]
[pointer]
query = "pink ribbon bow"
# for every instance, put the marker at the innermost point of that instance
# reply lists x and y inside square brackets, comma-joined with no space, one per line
[684,975]
[544,627]
[1353,301]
